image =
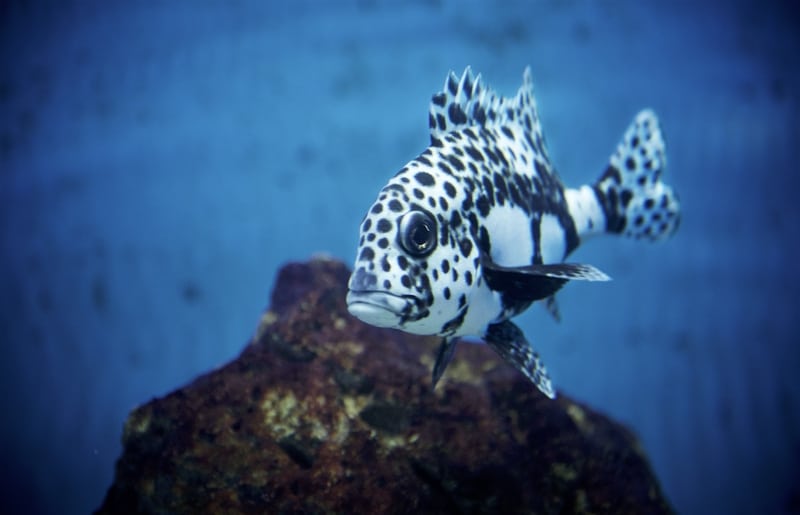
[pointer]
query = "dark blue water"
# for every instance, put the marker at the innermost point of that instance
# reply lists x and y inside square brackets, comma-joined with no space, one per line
[158,163]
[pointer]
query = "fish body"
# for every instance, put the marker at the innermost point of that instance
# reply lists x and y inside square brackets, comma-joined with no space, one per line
[476,228]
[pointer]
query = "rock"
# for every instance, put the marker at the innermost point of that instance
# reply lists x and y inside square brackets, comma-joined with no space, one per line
[324,414]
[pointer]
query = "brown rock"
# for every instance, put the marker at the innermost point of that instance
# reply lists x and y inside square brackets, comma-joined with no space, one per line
[324,414]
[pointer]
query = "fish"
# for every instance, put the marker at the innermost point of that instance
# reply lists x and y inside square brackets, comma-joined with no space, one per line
[477,228]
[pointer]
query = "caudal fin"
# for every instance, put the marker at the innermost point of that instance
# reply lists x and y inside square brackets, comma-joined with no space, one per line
[634,200]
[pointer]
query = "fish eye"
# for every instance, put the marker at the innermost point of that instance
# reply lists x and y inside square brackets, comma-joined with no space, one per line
[417,233]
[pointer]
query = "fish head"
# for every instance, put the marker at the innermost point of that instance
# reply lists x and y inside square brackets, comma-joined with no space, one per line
[411,272]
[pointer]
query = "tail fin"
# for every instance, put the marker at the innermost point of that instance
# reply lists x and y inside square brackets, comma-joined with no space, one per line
[634,200]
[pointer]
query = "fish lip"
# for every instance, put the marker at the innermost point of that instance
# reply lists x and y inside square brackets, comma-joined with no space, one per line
[379,308]
[391,302]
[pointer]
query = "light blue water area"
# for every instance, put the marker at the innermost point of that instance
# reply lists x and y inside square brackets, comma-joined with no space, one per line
[160,161]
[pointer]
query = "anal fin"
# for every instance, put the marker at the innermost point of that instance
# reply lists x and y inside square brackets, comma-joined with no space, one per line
[509,342]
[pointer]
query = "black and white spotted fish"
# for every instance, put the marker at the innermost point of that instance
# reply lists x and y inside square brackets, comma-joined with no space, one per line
[476,229]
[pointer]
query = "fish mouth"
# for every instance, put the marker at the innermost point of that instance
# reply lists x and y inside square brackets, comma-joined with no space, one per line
[379,308]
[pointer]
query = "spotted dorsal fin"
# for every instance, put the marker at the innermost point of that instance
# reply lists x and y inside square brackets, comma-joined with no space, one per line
[465,103]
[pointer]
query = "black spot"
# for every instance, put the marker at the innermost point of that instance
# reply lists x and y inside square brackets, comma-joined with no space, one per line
[445,266]
[383,243]
[467,205]
[404,279]
[487,185]
[367,254]
[456,114]
[638,221]
[625,197]
[456,162]
[432,202]
[443,204]
[436,142]
[479,114]
[435,274]
[431,121]
[455,275]
[418,193]
[439,99]
[635,142]
[641,180]
[452,85]
[468,277]
[377,208]
[402,262]
[491,155]
[385,265]
[424,160]
[367,225]
[649,203]
[443,167]
[462,300]
[384,225]
[371,237]
[395,205]
[613,174]
[484,242]
[507,132]
[664,201]
[455,220]
[483,206]
[424,178]
[474,153]
[450,190]
[387,285]
[630,164]
[466,248]
[515,195]
[446,293]
[441,122]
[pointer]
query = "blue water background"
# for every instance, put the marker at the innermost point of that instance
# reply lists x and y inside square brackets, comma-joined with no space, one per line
[159,161]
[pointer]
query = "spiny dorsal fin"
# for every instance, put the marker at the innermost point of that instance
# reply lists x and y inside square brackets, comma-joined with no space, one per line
[464,103]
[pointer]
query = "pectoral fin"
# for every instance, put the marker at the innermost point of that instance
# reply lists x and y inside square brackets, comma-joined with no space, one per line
[443,357]
[509,342]
[536,282]
[551,305]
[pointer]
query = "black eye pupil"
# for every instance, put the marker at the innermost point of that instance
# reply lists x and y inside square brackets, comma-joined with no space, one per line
[420,235]
[417,233]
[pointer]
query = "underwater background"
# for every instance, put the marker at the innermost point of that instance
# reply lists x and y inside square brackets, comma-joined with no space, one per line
[159,161]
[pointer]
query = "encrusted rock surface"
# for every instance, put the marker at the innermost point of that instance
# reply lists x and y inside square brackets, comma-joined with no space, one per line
[323,414]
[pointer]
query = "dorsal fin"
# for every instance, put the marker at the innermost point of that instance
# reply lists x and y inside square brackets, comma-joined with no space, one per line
[464,103]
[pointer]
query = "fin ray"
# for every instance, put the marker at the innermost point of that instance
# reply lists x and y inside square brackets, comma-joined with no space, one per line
[635,201]
[536,282]
[509,342]
[464,102]
[443,357]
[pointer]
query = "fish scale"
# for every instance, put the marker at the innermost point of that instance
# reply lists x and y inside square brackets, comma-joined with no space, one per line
[476,228]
